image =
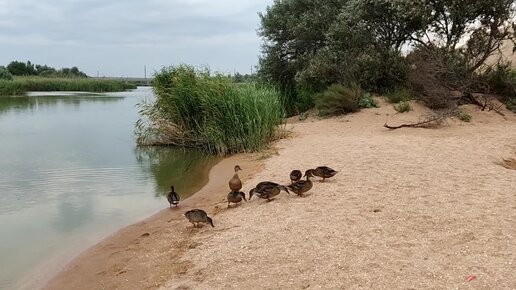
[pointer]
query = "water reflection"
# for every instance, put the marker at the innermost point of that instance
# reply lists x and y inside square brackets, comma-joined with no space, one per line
[70,173]
[79,207]
[186,169]
[31,103]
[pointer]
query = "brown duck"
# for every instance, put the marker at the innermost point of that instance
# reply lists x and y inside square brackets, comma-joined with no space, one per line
[197,216]
[235,184]
[267,190]
[173,197]
[302,186]
[236,197]
[295,175]
[324,172]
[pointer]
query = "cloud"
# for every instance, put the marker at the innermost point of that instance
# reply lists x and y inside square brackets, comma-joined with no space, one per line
[192,29]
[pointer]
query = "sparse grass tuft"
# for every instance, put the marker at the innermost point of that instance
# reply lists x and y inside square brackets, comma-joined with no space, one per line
[465,117]
[403,107]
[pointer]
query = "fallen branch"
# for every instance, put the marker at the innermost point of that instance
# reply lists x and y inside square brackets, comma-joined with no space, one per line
[434,119]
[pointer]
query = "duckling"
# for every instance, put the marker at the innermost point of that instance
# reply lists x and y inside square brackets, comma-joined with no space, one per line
[295,175]
[197,216]
[324,172]
[236,197]
[267,190]
[173,197]
[235,184]
[302,186]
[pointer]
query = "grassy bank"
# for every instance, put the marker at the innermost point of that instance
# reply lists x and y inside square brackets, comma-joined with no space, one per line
[193,108]
[21,85]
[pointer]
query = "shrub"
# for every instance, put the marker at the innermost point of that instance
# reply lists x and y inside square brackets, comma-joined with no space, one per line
[465,117]
[398,95]
[338,99]
[367,101]
[193,108]
[502,81]
[511,104]
[403,107]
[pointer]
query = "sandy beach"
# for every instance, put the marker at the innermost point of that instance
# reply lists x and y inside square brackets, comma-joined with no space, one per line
[409,209]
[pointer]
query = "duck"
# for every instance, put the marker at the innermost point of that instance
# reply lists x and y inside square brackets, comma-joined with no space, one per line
[324,172]
[172,197]
[197,216]
[235,184]
[295,175]
[302,186]
[235,197]
[267,190]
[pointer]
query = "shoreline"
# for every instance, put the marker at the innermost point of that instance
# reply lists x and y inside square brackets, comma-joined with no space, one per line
[384,222]
[131,239]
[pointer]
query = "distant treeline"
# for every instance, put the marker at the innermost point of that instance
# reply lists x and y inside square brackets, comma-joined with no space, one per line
[21,85]
[20,77]
[18,68]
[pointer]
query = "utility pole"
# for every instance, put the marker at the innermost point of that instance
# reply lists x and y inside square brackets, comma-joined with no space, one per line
[145,72]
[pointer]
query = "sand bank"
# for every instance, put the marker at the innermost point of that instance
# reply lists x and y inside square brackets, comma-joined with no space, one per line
[409,209]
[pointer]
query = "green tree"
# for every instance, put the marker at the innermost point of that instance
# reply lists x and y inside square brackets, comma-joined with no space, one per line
[311,44]
[18,68]
[5,74]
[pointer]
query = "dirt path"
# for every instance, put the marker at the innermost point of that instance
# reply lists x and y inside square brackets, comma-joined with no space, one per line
[409,209]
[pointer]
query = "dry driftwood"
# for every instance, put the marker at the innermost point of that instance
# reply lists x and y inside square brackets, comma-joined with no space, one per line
[433,119]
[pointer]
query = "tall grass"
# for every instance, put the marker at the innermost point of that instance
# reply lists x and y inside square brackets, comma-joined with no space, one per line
[193,108]
[21,85]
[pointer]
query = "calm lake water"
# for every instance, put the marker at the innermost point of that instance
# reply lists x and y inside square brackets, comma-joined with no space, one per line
[70,174]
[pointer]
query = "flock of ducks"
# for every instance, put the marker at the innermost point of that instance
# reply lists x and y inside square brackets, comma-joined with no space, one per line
[265,189]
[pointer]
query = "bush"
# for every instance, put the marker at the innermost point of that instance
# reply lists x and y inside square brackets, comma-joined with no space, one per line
[403,107]
[502,80]
[193,108]
[511,104]
[398,95]
[5,74]
[338,99]
[367,101]
[465,117]
[297,101]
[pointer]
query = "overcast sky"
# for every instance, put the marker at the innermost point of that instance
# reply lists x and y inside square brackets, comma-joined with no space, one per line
[119,37]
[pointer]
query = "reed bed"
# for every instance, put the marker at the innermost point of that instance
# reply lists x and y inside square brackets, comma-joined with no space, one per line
[21,85]
[193,108]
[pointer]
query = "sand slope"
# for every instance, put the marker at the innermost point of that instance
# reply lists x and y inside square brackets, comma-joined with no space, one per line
[410,209]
